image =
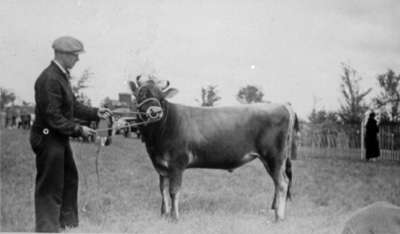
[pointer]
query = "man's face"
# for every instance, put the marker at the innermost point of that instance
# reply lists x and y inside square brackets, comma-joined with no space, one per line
[71,59]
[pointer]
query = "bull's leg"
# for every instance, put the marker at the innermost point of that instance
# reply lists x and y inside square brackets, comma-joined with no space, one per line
[269,170]
[274,206]
[281,182]
[164,189]
[174,190]
[276,168]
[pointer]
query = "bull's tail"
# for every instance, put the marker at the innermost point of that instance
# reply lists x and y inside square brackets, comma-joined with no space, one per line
[289,175]
[291,147]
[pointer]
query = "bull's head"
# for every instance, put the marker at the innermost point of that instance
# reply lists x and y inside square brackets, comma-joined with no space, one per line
[150,95]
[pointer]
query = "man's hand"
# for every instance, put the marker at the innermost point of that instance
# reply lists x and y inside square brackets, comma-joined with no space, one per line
[104,113]
[86,131]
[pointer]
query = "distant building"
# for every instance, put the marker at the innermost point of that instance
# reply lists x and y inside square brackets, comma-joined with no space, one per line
[113,104]
[124,101]
[125,98]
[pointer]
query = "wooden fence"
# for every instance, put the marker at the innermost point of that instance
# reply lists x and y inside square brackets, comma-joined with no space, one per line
[389,141]
[341,141]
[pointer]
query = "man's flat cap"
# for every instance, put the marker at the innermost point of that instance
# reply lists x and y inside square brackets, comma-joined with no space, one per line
[68,44]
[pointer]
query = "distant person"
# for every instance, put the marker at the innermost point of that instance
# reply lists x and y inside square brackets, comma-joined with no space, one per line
[18,121]
[28,121]
[23,121]
[13,120]
[371,138]
[377,218]
[56,188]
[7,118]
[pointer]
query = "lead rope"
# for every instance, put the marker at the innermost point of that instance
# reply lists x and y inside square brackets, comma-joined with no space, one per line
[102,135]
[101,138]
[126,125]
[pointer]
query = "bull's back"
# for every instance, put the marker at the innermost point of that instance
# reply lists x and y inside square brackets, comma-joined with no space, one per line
[227,137]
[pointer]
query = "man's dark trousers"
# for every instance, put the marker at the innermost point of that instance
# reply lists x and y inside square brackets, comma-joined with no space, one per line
[56,205]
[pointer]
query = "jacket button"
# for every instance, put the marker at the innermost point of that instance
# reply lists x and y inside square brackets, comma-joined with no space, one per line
[45,131]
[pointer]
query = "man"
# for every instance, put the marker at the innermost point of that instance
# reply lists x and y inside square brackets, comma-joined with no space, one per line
[56,189]
[371,138]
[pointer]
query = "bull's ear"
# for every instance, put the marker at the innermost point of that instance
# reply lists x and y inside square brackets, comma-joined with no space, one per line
[133,86]
[170,93]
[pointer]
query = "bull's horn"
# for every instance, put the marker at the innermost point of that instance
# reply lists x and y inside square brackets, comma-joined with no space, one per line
[163,84]
[138,79]
[133,86]
[166,84]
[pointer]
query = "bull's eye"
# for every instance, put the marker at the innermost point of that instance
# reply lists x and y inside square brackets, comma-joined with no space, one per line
[142,96]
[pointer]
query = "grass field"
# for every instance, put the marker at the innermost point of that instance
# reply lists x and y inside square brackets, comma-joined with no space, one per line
[127,199]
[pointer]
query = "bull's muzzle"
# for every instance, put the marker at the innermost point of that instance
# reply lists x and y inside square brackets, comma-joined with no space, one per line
[154,112]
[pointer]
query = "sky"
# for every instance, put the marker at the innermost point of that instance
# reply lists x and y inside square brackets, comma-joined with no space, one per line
[292,50]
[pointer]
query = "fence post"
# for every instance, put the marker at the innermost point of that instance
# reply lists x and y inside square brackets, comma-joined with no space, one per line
[384,141]
[362,140]
[392,146]
[328,144]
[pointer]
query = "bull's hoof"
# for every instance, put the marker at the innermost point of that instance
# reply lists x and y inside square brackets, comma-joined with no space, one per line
[165,215]
[279,219]
[170,217]
[174,218]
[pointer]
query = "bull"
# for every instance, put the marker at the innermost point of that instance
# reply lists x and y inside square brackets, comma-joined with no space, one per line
[183,137]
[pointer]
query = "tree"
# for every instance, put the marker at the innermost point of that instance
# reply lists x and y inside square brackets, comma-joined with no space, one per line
[209,95]
[250,94]
[323,117]
[389,98]
[83,98]
[354,107]
[6,97]
[80,85]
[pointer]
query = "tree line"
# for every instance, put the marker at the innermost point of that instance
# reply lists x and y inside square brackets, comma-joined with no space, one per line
[8,97]
[353,103]
[247,94]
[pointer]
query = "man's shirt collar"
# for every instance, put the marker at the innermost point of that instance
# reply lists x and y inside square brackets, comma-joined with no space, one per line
[66,73]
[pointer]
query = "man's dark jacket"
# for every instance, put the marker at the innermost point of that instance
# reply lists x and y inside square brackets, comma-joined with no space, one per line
[56,105]
[56,187]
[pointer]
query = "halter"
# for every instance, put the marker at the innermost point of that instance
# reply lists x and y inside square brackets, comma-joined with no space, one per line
[153,112]
[150,120]
[148,100]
